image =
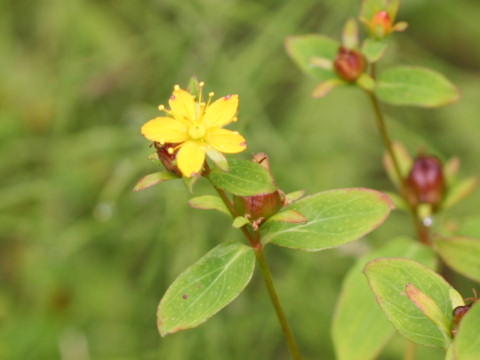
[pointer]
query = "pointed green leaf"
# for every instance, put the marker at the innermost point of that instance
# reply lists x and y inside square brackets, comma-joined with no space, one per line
[455,298]
[360,329]
[303,49]
[218,158]
[350,34]
[459,191]
[244,178]
[153,179]
[415,86]
[208,202]
[206,287]
[240,221]
[325,87]
[374,49]
[294,196]
[467,341]
[388,278]
[334,218]
[462,254]
[429,308]
[290,216]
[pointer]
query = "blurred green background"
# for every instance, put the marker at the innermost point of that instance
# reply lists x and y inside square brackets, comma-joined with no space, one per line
[84,261]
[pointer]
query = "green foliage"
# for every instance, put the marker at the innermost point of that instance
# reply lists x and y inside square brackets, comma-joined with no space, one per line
[360,329]
[461,254]
[244,178]
[83,260]
[415,86]
[208,202]
[153,179]
[467,342]
[206,287]
[310,51]
[334,218]
[389,278]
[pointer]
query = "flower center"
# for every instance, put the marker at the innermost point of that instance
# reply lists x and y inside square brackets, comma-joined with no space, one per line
[197,131]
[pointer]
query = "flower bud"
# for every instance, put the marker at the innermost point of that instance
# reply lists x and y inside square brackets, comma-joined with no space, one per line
[349,64]
[425,181]
[166,154]
[259,207]
[457,315]
[381,24]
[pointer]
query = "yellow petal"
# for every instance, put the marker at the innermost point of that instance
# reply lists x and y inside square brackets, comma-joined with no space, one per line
[183,106]
[165,130]
[221,112]
[225,141]
[190,158]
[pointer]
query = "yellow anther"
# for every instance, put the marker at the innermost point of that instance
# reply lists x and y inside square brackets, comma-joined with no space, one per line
[201,84]
[176,87]
[170,150]
[161,107]
[211,94]
[235,119]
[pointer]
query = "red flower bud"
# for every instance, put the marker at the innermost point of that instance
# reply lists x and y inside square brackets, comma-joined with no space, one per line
[425,182]
[381,24]
[258,207]
[349,64]
[457,315]
[166,154]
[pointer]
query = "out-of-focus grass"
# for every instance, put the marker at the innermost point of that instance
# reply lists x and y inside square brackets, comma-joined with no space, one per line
[84,261]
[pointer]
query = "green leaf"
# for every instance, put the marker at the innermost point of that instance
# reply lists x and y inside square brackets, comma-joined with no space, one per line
[429,308]
[462,254]
[303,49]
[350,34]
[245,178]
[415,86]
[153,179]
[467,341]
[294,196]
[334,218]
[374,49]
[240,221]
[325,87]
[360,329]
[218,158]
[208,202]
[459,191]
[206,287]
[388,278]
[290,216]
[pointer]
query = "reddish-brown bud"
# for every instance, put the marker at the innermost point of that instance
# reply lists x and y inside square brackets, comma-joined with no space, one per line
[166,154]
[425,181]
[349,64]
[259,207]
[457,314]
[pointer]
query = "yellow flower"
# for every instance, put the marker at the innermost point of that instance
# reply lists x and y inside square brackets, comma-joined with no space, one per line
[196,127]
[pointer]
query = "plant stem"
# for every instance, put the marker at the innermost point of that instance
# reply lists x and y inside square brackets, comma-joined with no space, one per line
[410,351]
[253,238]
[267,276]
[420,228]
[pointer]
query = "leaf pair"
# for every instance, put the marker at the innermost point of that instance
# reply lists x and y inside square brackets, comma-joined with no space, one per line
[333,218]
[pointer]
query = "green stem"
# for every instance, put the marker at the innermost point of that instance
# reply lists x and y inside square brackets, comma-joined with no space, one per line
[267,276]
[410,351]
[420,228]
[253,238]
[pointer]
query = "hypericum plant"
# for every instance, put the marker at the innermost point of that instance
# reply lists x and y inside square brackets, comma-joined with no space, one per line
[416,300]
[190,143]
